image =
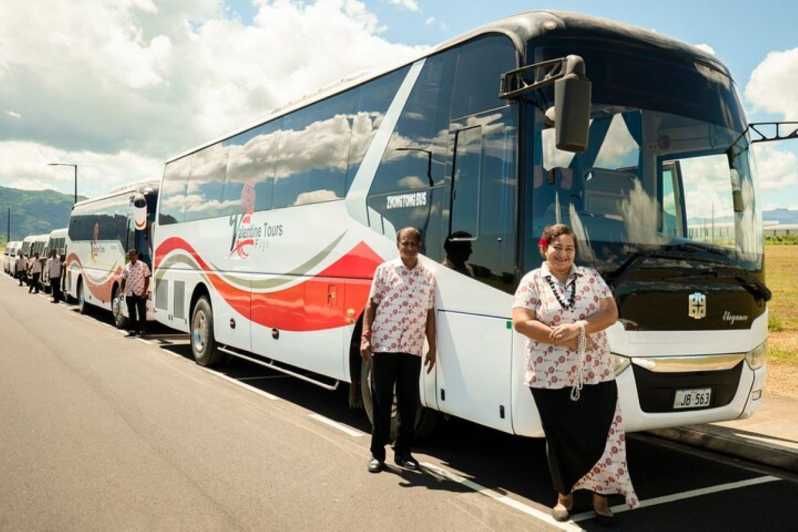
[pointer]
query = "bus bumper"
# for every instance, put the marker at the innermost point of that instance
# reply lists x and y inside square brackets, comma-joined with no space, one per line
[744,400]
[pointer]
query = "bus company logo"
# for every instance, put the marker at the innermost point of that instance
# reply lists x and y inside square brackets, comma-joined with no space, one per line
[244,234]
[731,318]
[404,201]
[697,307]
[95,239]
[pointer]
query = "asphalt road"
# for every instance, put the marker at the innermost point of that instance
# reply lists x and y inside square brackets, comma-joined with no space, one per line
[103,432]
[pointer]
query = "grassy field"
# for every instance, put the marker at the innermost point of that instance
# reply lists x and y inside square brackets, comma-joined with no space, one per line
[782,279]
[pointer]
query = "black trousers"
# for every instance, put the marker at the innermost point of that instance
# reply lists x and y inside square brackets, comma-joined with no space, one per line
[55,286]
[137,312]
[402,369]
[34,282]
[21,277]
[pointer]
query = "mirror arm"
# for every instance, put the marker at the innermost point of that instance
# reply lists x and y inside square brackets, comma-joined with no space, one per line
[763,136]
[515,82]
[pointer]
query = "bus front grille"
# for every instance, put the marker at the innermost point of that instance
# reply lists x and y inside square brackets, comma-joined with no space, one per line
[656,391]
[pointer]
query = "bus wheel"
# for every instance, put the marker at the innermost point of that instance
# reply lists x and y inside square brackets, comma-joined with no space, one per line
[116,308]
[426,418]
[203,344]
[83,306]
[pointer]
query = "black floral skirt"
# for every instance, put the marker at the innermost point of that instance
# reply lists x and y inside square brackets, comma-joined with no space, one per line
[585,440]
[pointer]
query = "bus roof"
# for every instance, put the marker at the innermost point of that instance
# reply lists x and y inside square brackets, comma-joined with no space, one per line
[519,29]
[55,233]
[139,186]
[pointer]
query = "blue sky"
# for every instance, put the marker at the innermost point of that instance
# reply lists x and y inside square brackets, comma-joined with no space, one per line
[118,87]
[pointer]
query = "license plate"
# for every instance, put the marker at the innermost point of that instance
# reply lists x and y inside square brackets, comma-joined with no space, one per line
[692,398]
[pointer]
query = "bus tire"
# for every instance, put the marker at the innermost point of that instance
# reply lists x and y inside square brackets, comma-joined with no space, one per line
[120,321]
[203,343]
[426,418]
[83,306]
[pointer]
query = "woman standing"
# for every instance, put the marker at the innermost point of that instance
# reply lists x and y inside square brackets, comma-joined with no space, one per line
[563,310]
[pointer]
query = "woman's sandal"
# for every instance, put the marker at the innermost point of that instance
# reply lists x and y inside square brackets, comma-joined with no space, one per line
[562,510]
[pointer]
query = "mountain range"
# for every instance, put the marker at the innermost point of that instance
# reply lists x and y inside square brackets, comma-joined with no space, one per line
[33,211]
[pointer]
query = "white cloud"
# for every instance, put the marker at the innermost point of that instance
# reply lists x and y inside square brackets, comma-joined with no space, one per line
[152,79]
[430,21]
[706,48]
[410,5]
[13,114]
[772,85]
[24,165]
[777,168]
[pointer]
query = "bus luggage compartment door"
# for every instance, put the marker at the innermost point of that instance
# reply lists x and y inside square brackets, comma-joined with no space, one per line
[473,368]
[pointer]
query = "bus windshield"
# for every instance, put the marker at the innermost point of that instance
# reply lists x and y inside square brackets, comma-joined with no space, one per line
[658,176]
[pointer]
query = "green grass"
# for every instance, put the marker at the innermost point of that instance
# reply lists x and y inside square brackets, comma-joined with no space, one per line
[782,279]
[782,240]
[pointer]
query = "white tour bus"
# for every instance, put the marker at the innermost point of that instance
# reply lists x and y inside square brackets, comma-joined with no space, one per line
[9,266]
[57,240]
[101,230]
[267,238]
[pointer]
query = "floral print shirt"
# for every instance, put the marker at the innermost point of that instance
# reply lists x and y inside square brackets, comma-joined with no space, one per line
[403,297]
[135,275]
[550,366]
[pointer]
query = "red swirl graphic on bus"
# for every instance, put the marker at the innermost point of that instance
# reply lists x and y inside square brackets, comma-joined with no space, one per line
[102,289]
[321,302]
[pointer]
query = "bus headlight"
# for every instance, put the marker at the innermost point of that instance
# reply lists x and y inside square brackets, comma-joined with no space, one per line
[756,357]
[619,363]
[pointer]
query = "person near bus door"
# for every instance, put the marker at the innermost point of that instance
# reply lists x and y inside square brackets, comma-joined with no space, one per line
[563,310]
[54,273]
[399,315]
[20,267]
[34,273]
[135,280]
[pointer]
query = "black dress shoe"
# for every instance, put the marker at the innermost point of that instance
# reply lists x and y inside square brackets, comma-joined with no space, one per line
[375,466]
[406,461]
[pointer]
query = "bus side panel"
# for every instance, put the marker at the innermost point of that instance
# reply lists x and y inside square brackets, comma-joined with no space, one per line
[99,265]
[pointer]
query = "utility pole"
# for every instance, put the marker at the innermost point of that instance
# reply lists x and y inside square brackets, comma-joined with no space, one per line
[8,227]
[75,168]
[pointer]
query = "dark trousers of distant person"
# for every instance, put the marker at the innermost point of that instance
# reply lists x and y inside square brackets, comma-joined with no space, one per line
[55,286]
[21,277]
[34,283]
[137,312]
[404,370]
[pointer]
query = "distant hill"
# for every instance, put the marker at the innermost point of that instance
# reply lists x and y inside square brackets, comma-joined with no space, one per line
[783,216]
[33,211]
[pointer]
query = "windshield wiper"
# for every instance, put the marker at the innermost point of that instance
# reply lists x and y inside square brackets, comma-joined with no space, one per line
[634,257]
[752,285]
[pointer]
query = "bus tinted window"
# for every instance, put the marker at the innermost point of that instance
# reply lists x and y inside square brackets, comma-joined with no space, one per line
[313,155]
[251,160]
[480,65]
[103,220]
[205,184]
[373,99]
[421,139]
[173,192]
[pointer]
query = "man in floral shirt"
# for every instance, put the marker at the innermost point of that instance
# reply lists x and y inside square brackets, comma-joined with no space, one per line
[135,280]
[399,316]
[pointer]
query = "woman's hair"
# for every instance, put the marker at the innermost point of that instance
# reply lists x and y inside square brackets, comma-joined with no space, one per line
[550,232]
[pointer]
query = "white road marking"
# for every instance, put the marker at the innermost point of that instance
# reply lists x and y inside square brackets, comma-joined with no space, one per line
[336,425]
[258,391]
[682,496]
[503,499]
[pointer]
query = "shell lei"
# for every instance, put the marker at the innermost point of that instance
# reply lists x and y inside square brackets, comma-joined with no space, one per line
[581,346]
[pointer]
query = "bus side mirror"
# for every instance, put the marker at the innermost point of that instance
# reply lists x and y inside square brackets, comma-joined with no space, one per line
[572,95]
